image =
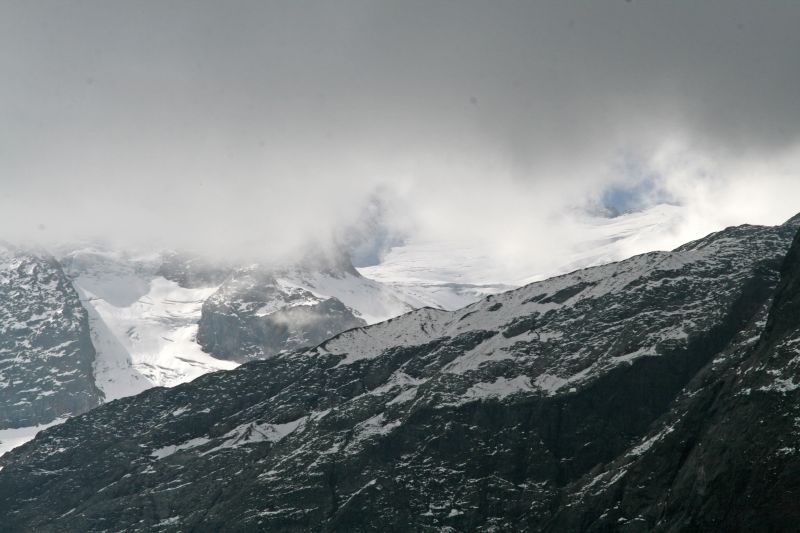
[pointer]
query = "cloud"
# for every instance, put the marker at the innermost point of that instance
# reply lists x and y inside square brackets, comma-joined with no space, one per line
[252,128]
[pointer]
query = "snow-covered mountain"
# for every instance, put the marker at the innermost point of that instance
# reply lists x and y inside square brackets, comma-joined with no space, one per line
[259,311]
[100,324]
[163,318]
[143,325]
[159,319]
[535,409]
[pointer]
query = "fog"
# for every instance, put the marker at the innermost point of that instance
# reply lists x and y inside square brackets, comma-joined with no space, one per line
[253,129]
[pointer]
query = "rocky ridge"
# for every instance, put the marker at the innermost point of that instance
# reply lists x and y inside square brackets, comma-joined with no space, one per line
[726,456]
[497,416]
[46,353]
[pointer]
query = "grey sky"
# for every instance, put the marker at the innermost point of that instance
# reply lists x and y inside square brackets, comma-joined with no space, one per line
[241,125]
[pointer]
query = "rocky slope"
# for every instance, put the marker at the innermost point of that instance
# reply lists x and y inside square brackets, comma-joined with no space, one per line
[46,353]
[162,319]
[141,321]
[726,457]
[502,415]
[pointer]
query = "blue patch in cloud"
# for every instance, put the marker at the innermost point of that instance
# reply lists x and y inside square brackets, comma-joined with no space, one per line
[638,190]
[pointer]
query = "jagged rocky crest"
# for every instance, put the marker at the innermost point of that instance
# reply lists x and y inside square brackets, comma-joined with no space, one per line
[46,353]
[657,393]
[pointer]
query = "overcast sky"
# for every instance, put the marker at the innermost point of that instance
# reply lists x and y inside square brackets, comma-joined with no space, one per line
[250,127]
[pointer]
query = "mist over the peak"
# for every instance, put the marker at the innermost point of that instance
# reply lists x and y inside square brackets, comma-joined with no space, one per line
[258,129]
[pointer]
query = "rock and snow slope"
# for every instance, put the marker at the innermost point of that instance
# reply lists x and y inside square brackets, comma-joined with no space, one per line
[45,352]
[161,319]
[483,418]
[143,325]
[726,456]
[144,309]
[11,438]
[259,311]
[143,313]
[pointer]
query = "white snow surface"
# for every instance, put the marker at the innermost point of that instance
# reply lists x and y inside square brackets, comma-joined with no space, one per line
[248,433]
[143,325]
[258,432]
[451,275]
[500,388]
[439,274]
[166,451]
[606,240]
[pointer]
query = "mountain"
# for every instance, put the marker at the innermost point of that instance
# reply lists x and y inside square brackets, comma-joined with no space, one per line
[100,324]
[46,354]
[542,408]
[164,318]
[259,311]
[143,325]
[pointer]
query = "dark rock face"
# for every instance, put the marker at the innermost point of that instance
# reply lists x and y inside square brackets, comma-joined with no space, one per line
[577,403]
[254,315]
[46,353]
[726,456]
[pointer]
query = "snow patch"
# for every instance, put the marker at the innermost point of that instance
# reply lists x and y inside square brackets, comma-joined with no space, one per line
[255,432]
[500,388]
[12,438]
[648,443]
[781,385]
[166,451]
